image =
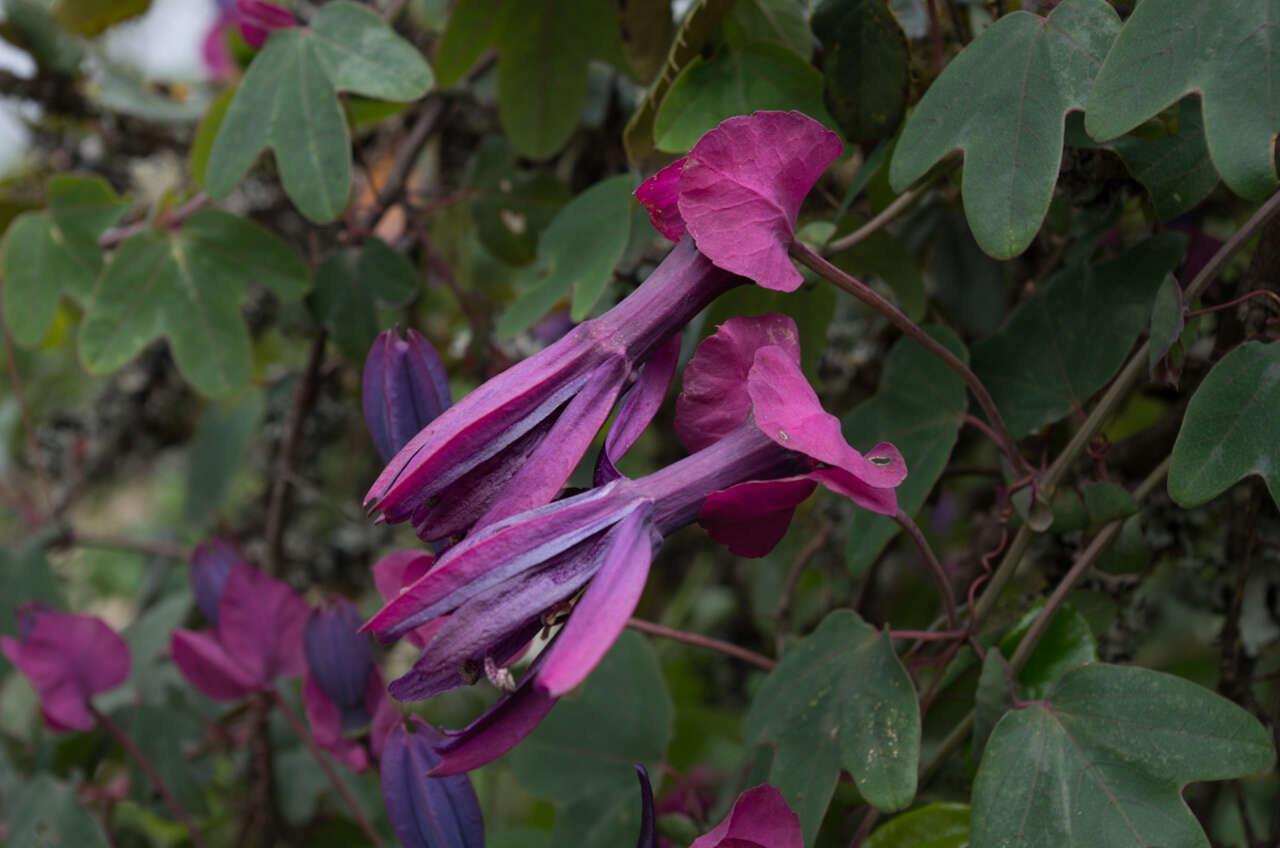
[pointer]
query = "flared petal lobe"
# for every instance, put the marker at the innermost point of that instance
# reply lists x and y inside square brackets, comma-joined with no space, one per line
[404,389]
[751,518]
[427,812]
[659,195]
[260,623]
[258,19]
[497,730]
[741,188]
[760,816]
[68,658]
[206,665]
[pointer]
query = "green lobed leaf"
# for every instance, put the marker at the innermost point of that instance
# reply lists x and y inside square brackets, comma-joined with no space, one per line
[932,826]
[288,101]
[1003,102]
[187,286]
[45,812]
[782,21]
[1066,643]
[1103,758]
[543,50]
[973,288]
[1176,168]
[350,287]
[581,755]
[865,66]
[918,407]
[1226,52]
[1068,338]
[839,698]
[991,700]
[1229,430]
[761,75]
[47,254]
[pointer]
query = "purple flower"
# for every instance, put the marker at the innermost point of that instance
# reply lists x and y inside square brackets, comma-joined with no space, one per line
[427,812]
[760,818]
[257,638]
[258,20]
[509,579]
[405,388]
[68,659]
[512,443]
[211,564]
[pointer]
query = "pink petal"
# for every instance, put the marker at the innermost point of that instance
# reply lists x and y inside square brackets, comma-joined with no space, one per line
[602,611]
[385,714]
[208,667]
[659,194]
[760,816]
[399,569]
[260,623]
[258,20]
[638,407]
[497,731]
[714,399]
[751,518]
[326,728]
[742,186]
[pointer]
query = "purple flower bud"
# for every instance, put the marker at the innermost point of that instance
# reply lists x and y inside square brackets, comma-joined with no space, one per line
[405,389]
[68,659]
[340,660]
[648,833]
[211,563]
[427,812]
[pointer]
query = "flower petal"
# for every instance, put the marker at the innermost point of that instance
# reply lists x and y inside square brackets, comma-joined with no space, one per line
[659,195]
[742,186]
[648,833]
[760,816]
[427,811]
[260,623]
[211,563]
[495,732]
[326,727]
[602,611]
[751,518]
[399,569]
[714,399]
[208,667]
[637,409]
[339,659]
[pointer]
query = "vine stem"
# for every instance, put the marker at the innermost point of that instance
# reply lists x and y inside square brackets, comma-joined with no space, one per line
[1110,402]
[75,538]
[726,648]
[300,729]
[806,256]
[893,210]
[115,235]
[1038,627]
[931,559]
[149,769]
[1275,299]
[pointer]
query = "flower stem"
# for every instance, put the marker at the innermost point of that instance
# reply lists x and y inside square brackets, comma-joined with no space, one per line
[893,210]
[149,769]
[810,259]
[931,559]
[300,729]
[1239,300]
[702,642]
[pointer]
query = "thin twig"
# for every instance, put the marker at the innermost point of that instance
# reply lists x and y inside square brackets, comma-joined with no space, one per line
[809,258]
[303,397]
[1275,298]
[931,559]
[864,827]
[72,538]
[115,235]
[28,431]
[300,729]
[726,648]
[793,576]
[392,10]
[875,224]
[150,771]
[407,154]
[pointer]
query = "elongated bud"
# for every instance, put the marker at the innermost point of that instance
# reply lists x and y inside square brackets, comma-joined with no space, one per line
[427,811]
[340,660]
[211,563]
[405,389]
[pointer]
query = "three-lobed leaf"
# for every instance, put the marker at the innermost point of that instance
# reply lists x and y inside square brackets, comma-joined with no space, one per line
[187,286]
[288,102]
[1229,431]
[351,285]
[1226,52]
[1103,758]
[839,698]
[1003,102]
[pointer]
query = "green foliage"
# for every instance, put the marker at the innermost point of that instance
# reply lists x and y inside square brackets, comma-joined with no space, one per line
[1102,758]
[46,812]
[1167,321]
[931,826]
[1222,51]
[865,69]
[839,698]
[288,102]
[187,286]
[1229,431]
[351,285]
[1003,101]
[218,451]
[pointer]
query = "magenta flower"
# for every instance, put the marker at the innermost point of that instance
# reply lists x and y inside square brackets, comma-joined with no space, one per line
[739,191]
[344,692]
[404,389]
[509,579]
[68,658]
[258,19]
[760,818]
[257,638]
[427,812]
[211,564]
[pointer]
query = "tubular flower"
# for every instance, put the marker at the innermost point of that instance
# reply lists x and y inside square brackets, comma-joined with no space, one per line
[211,564]
[427,812]
[344,692]
[509,579]
[512,443]
[760,818]
[68,659]
[257,638]
[404,389]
